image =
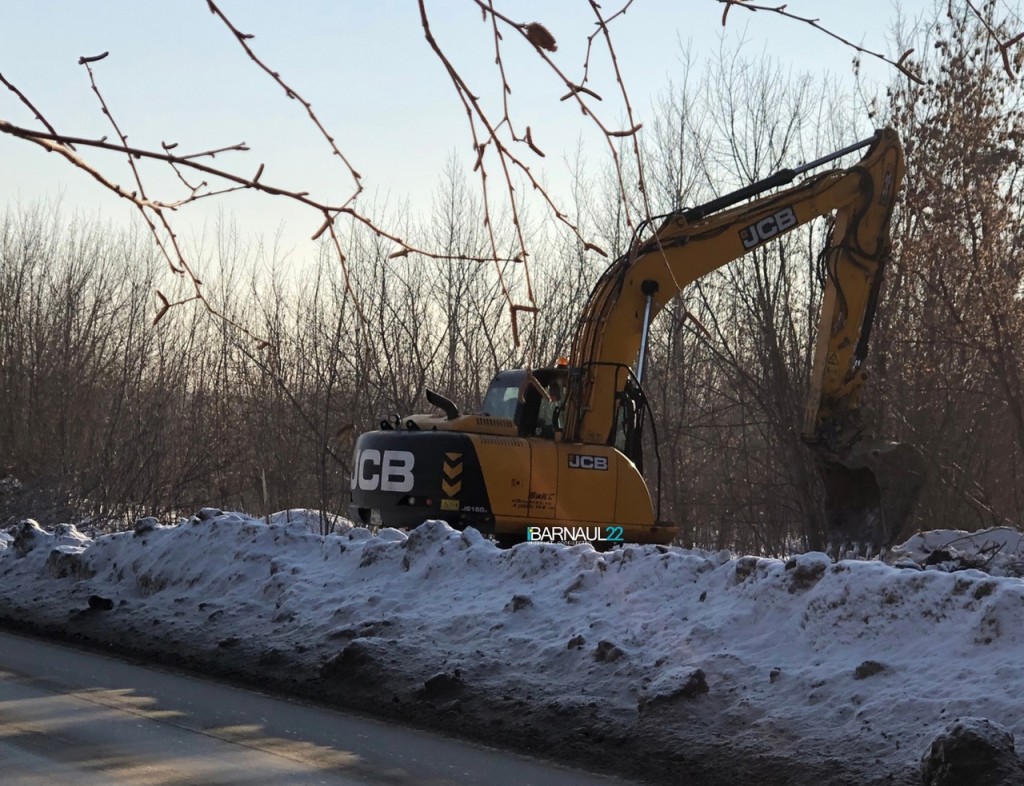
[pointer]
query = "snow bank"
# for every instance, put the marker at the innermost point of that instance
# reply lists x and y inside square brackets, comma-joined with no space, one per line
[998,551]
[713,663]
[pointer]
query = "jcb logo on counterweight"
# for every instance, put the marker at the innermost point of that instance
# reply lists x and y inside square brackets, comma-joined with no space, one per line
[391,471]
[580,461]
[767,228]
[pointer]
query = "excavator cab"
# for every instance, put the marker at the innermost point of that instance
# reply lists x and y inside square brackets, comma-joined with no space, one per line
[533,400]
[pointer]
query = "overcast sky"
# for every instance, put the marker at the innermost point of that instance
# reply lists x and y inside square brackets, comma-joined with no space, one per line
[175,74]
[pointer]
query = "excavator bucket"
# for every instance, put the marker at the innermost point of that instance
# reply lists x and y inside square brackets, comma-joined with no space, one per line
[870,493]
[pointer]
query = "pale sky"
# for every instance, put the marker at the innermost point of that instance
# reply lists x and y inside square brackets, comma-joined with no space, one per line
[176,74]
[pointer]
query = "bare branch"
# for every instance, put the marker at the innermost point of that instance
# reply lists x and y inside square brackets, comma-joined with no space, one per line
[781,11]
[24,99]
[290,92]
[1003,45]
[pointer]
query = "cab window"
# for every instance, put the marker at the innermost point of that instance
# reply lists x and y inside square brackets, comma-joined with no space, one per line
[502,399]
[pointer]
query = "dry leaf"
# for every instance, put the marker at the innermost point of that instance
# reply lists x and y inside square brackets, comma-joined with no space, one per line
[629,132]
[95,58]
[539,36]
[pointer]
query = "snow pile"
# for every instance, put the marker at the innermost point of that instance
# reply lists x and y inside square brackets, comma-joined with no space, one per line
[998,551]
[828,671]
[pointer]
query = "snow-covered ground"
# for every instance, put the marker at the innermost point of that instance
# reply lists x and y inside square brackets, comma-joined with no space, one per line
[664,662]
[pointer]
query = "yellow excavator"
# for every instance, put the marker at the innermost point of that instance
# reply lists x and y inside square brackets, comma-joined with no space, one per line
[556,453]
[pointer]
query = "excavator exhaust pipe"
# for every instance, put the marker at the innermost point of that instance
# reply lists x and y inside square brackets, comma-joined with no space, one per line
[871,492]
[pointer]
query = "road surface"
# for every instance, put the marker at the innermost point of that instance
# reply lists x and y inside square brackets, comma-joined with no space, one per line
[74,717]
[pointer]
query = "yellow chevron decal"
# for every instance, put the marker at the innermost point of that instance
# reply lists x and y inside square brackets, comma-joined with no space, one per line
[452,466]
[452,473]
[451,489]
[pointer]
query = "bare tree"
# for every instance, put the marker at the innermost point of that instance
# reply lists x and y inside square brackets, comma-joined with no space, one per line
[952,364]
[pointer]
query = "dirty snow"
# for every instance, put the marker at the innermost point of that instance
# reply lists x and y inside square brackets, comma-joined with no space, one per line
[664,660]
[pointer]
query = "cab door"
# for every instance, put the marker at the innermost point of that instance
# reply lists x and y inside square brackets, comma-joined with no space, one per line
[543,479]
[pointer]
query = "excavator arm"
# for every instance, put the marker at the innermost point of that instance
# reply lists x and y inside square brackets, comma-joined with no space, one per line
[861,505]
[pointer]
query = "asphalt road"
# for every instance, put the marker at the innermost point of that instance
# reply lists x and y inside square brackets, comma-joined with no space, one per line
[74,717]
